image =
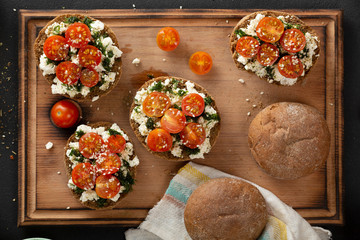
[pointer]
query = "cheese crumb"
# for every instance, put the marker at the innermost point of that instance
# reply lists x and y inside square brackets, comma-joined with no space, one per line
[49,145]
[136,61]
[95,98]
[180,7]
[248,100]
[261,93]
[134,6]
[249,113]
[241,81]
[164,60]
[227,21]
[67,208]
[58,173]
[254,106]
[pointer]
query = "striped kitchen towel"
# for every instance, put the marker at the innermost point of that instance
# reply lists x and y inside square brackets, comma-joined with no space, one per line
[165,221]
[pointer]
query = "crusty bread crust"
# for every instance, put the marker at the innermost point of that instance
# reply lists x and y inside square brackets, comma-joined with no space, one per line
[289,140]
[38,49]
[90,204]
[244,22]
[167,155]
[225,208]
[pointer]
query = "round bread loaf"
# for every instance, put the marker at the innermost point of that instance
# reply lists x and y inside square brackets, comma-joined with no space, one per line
[289,140]
[225,208]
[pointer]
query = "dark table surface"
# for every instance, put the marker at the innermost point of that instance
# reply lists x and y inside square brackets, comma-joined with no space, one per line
[9,101]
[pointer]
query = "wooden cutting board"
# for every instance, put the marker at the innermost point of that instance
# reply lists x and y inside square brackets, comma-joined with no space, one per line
[43,193]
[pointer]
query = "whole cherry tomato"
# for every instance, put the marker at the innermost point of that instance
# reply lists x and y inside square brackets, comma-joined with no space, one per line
[65,113]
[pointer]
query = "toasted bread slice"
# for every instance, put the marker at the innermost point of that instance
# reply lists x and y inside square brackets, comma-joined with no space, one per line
[38,49]
[108,204]
[168,155]
[291,19]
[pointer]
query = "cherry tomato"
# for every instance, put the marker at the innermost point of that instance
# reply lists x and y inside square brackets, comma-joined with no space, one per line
[65,113]
[89,77]
[293,40]
[159,140]
[290,66]
[78,35]
[68,72]
[168,39]
[173,120]
[89,56]
[200,63]
[83,176]
[56,48]
[193,135]
[193,105]
[107,186]
[90,144]
[268,54]
[116,143]
[270,29]
[108,163]
[247,46]
[155,104]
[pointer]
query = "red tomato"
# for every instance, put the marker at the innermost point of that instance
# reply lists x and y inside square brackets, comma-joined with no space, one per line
[290,66]
[155,104]
[56,48]
[173,120]
[193,135]
[78,35]
[247,46]
[89,56]
[107,186]
[116,143]
[193,105]
[200,63]
[293,40]
[83,176]
[270,29]
[108,163]
[268,54]
[68,72]
[65,113]
[159,140]
[91,144]
[89,77]
[168,39]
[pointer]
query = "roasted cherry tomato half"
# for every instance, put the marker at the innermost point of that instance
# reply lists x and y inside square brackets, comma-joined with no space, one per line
[89,56]
[78,35]
[91,145]
[65,113]
[173,120]
[155,104]
[193,135]
[116,143]
[290,66]
[168,39]
[270,29]
[193,105]
[108,163]
[56,48]
[293,40]
[247,46]
[89,77]
[68,72]
[268,54]
[107,186]
[159,140]
[200,63]
[83,176]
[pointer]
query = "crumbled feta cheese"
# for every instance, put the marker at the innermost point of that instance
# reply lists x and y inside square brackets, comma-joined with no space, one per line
[141,95]
[205,147]
[257,68]
[311,44]
[89,195]
[56,29]
[95,98]
[60,88]
[45,67]
[282,79]
[74,145]
[96,26]
[210,110]
[115,198]
[166,82]
[49,145]
[84,128]
[136,61]
[249,113]
[241,81]
[71,185]
[143,129]
[251,27]
[176,150]
[75,59]
[134,162]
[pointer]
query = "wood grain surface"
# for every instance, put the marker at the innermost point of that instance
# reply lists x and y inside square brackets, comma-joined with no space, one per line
[43,193]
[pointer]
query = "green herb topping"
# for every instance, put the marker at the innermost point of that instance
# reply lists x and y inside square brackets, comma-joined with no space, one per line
[113,132]
[71,19]
[157,87]
[150,124]
[79,134]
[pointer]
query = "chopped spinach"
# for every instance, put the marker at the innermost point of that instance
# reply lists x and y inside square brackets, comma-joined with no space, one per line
[71,19]
[181,92]
[270,71]
[49,61]
[79,134]
[150,76]
[113,132]
[177,137]
[102,202]
[240,32]
[192,151]
[88,21]
[303,53]
[126,181]
[177,107]
[77,154]
[208,116]
[110,54]
[175,83]
[157,87]
[208,101]
[150,124]
[79,190]
[106,64]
